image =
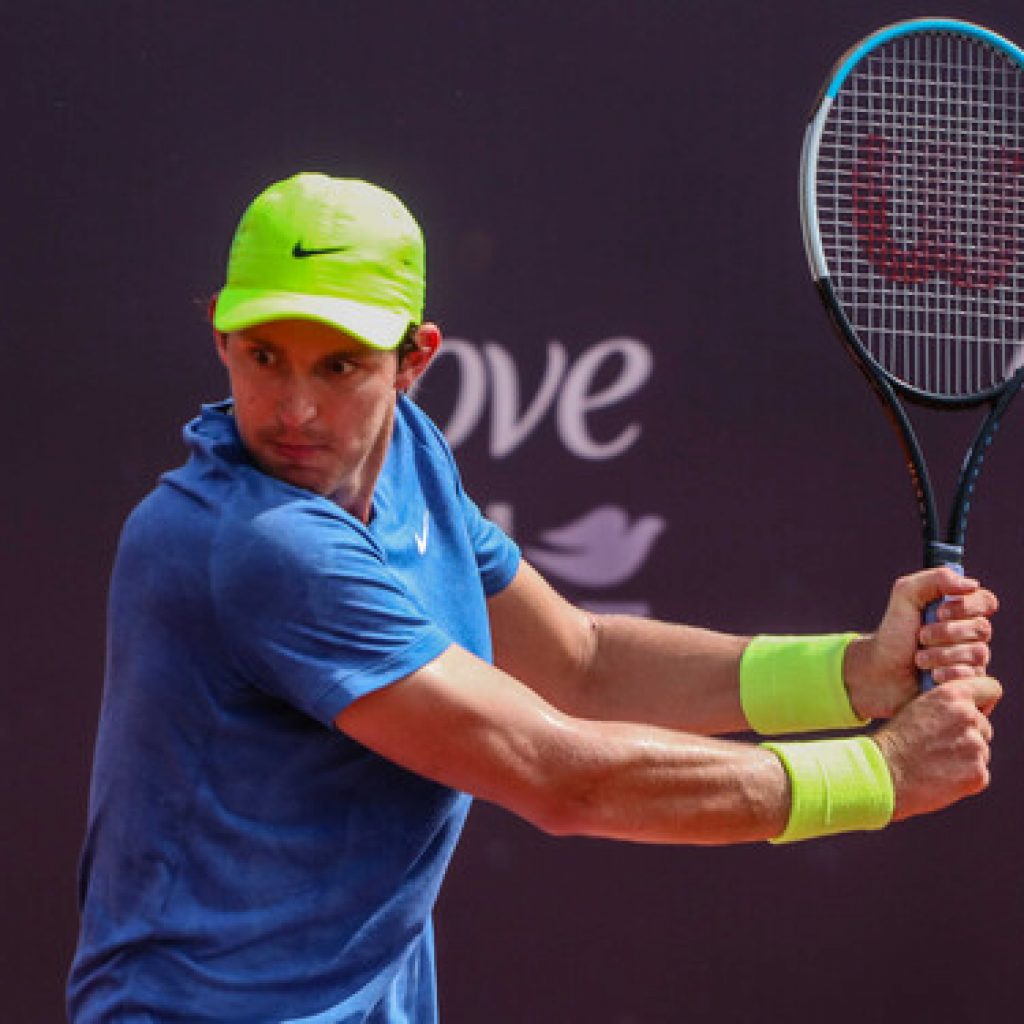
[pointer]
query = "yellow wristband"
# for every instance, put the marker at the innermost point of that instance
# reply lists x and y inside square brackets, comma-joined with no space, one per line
[794,684]
[835,786]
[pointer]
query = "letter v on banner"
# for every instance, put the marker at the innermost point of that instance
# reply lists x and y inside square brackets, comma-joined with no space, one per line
[508,429]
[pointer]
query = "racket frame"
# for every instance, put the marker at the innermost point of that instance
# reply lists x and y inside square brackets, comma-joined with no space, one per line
[941,547]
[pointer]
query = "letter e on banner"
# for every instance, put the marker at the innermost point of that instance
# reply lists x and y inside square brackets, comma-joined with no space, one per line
[577,400]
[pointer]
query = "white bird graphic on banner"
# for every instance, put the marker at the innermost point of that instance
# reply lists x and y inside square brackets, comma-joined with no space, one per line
[600,549]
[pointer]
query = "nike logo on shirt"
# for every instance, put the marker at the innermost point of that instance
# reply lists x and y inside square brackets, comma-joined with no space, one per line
[421,538]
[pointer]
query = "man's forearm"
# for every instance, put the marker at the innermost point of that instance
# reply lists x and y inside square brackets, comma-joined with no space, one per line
[644,784]
[679,677]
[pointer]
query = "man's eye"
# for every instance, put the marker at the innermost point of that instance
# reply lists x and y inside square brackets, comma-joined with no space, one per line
[262,357]
[338,366]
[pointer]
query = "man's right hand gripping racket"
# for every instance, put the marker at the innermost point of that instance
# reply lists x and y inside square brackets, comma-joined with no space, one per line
[912,201]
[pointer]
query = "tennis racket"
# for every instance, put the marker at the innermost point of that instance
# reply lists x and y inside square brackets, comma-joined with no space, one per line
[912,204]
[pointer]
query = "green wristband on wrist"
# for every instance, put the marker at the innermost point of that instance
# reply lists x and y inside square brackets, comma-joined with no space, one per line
[792,684]
[835,786]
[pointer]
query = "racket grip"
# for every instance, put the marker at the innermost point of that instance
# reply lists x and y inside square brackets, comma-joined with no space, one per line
[931,614]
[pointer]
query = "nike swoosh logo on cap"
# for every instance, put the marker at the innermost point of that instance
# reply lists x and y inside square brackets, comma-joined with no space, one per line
[301,252]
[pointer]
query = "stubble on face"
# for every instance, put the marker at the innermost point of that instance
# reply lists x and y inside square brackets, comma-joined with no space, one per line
[314,407]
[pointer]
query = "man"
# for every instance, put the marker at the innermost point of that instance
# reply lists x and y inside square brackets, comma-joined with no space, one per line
[300,695]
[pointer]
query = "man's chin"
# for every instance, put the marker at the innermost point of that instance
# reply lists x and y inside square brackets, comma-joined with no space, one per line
[308,478]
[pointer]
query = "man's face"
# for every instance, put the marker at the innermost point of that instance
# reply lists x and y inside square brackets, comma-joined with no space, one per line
[314,407]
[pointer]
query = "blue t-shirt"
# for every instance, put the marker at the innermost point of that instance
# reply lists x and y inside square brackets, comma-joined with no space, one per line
[244,860]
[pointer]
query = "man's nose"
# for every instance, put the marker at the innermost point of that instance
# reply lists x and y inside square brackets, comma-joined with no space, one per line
[297,404]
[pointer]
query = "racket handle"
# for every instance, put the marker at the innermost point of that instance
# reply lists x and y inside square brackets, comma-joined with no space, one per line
[931,614]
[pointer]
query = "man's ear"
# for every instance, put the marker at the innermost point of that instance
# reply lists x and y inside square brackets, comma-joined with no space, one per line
[415,363]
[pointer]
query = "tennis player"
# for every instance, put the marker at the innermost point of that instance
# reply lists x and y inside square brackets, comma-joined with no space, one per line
[320,650]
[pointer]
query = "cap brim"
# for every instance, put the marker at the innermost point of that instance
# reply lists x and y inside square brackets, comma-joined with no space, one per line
[239,308]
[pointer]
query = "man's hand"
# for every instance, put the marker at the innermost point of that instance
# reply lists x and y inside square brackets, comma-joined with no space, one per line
[937,747]
[881,670]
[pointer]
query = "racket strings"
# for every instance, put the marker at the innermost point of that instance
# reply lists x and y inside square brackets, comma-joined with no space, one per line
[920,192]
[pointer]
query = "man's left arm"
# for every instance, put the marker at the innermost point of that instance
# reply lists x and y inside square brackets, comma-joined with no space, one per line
[611,667]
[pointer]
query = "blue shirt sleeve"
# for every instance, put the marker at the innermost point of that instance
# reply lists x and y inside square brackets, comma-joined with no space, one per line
[497,556]
[311,613]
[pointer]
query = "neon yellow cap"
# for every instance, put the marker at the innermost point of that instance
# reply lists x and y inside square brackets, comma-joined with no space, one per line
[336,250]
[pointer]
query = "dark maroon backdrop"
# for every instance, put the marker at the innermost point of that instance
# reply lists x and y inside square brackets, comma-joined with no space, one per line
[585,171]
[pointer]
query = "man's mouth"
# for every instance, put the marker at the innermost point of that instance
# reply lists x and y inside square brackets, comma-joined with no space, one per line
[295,451]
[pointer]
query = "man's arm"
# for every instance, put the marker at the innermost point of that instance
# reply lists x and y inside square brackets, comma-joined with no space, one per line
[466,724]
[616,668]
[591,725]
[681,677]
